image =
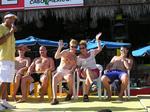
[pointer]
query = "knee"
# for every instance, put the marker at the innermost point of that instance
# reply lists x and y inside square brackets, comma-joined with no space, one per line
[103,78]
[124,78]
[87,71]
[18,76]
[44,81]
[20,72]
[70,78]
[23,80]
[45,77]
[87,82]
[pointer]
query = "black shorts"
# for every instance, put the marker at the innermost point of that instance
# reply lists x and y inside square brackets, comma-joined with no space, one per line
[36,77]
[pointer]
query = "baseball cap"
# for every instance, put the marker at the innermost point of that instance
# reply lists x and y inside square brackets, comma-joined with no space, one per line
[10,15]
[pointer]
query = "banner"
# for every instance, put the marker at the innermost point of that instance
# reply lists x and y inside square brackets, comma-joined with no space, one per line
[37,4]
[6,5]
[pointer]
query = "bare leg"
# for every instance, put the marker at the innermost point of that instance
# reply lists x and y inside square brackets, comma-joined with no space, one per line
[44,86]
[105,80]
[16,85]
[89,79]
[4,97]
[24,87]
[56,79]
[89,75]
[69,79]
[124,84]
[4,91]
[87,86]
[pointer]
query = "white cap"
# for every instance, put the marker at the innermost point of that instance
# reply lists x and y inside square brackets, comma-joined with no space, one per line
[10,15]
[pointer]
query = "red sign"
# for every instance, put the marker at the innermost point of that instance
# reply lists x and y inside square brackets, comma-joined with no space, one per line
[6,5]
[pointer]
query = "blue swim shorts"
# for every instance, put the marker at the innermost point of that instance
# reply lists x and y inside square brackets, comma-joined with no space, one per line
[114,74]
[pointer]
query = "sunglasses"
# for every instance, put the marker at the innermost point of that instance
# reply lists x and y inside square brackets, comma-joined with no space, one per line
[73,46]
[82,47]
[21,49]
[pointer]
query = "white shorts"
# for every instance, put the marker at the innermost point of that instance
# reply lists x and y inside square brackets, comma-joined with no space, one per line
[63,71]
[7,71]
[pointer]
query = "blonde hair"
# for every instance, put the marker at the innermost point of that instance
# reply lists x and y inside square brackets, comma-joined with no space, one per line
[83,42]
[73,41]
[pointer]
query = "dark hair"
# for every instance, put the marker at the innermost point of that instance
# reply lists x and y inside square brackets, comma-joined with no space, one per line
[129,55]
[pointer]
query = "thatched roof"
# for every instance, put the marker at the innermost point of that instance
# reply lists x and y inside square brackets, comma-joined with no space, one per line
[97,8]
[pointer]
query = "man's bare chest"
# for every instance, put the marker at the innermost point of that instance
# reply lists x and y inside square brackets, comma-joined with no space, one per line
[42,61]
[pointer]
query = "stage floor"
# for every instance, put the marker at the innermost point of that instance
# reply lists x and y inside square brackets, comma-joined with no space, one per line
[134,104]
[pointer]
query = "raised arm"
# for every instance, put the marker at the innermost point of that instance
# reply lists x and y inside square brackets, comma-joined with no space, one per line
[99,48]
[58,52]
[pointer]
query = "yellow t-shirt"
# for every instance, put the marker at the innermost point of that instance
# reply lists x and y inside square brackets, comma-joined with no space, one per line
[7,49]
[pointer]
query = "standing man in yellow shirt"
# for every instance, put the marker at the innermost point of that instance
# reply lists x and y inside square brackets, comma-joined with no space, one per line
[7,56]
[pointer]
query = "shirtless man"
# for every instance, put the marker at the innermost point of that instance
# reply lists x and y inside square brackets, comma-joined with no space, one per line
[22,63]
[38,72]
[65,69]
[117,69]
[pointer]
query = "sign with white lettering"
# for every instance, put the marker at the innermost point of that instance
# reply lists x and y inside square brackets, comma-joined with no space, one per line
[8,2]
[37,4]
[6,5]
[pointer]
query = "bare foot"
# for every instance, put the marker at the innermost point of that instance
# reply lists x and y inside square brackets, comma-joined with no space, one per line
[14,98]
[21,101]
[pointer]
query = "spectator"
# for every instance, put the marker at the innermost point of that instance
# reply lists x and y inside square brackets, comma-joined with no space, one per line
[38,72]
[65,69]
[22,63]
[87,63]
[117,69]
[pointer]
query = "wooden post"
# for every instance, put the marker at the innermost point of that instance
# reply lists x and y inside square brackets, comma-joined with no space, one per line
[49,90]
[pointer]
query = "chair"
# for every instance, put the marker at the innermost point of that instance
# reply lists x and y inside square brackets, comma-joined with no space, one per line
[98,80]
[36,94]
[126,92]
[64,81]
[49,89]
